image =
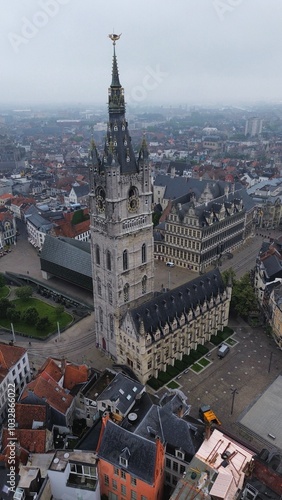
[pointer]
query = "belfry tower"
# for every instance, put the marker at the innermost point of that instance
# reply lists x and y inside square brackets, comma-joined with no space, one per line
[122,249]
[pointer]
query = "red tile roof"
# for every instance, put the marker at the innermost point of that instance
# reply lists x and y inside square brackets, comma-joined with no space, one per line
[47,389]
[9,356]
[31,440]
[25,415]
[51,368]
[75,374]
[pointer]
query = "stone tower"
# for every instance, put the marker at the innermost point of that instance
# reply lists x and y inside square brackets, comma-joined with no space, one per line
[122,249]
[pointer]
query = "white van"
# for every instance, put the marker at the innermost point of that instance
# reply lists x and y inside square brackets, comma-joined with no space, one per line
[223,350]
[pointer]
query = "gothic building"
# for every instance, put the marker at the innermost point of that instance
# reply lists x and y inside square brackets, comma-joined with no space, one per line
[121,223]
[137,328]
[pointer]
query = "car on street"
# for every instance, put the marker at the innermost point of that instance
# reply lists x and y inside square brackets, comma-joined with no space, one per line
[170,264]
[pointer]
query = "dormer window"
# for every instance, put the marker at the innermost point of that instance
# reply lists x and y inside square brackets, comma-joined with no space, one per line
[124,457]
[179,454]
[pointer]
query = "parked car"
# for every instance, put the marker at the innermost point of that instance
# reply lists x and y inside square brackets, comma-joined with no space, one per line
[170,264]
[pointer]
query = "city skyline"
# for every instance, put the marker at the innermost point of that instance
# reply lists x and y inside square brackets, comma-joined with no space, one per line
[186,52]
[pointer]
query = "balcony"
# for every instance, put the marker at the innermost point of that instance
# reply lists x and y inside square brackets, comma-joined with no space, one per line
[81,481]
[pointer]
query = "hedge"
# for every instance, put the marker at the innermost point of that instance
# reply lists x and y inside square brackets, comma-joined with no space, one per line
[173,371]
[154,383]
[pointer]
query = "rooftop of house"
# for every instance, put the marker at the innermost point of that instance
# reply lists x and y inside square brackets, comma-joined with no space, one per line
[122,391]
[138,453]
[28,416]
[9,356]
[33,440]
[63,457]
[46,389]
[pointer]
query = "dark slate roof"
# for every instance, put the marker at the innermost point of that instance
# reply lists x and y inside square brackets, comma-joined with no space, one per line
[164,422]
[180,186]
[141,456]
[123,390]
[40,223]
[82,190]
[68,259]
[273,266]
[169,305]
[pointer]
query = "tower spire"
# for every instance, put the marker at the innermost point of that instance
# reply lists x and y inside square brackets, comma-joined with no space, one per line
[115,75]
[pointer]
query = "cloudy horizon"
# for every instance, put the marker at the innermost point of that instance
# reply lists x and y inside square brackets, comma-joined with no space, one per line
[181,52]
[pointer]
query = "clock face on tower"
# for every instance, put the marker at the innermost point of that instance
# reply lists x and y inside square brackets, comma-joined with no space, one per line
[133,203]
[100,200]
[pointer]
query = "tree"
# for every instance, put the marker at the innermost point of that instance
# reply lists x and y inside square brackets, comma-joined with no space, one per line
[227,275]
[31,315]
[24,292]
[13,315]
[43,323]
[5,304]
[2,281]
[78,217]
[59,311]
[243,299]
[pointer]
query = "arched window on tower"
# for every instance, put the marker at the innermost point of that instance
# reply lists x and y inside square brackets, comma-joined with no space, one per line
[126,292]
[101,319]
[109,260]
[110,293]
[98,255]
[143,253]
[111,321]
[125,260]
[144,284]
[99,286]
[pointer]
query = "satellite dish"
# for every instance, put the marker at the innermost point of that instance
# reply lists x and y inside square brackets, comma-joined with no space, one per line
[66,455]
[56,460]
[132,417]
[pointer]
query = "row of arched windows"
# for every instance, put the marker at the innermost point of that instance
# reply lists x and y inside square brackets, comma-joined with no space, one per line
[126,287]
[111,321]
[125,263]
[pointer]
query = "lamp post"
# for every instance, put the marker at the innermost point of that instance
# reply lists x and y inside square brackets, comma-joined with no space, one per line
[234,392]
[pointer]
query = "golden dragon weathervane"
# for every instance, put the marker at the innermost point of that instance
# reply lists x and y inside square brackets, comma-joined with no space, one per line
[114,37]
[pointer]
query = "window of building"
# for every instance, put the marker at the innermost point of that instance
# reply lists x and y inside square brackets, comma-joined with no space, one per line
[168,463]
[179,454]
[182,469]
[98,261]
[111,320]
[125,260]
[133,495]
[116,471]
[106,480]
[149,364]
[110,293]
[99,286]
[175,466]
[123,474]
[143,497]
[144,284]
[114,484]
[123,489]
[143,253]
[133,481]
[123,461]
[109,260]
[126,292]
[101,317]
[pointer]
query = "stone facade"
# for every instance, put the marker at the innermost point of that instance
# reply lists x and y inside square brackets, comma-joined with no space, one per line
[197,234]
[144,331]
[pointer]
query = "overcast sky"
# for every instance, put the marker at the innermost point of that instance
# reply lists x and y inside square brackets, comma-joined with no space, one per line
[170,51]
